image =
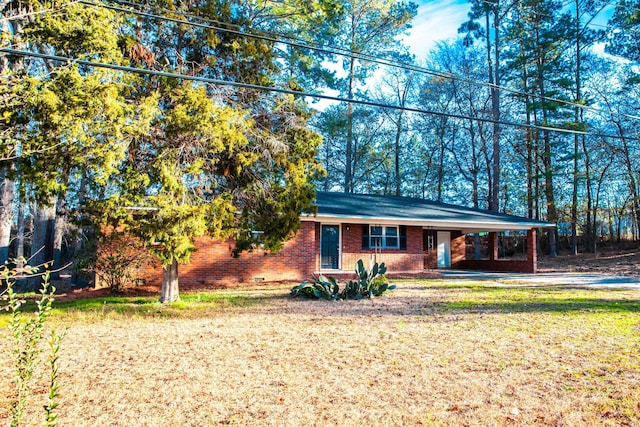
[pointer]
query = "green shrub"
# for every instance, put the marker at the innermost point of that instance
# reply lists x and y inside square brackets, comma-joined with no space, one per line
[115,257]
[27,338]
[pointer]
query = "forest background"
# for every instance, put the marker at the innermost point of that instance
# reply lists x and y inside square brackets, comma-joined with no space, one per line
[170,119]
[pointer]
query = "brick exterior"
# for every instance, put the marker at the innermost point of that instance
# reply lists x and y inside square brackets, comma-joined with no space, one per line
[409,259]
[458,248]
[530,265]
[213,263]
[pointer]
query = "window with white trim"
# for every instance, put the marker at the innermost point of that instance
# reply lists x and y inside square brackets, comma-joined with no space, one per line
[383,237]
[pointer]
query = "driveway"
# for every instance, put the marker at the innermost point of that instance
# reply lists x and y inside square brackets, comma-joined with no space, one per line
[570,279]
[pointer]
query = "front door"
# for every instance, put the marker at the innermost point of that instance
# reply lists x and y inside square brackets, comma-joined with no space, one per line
[444,249]
[330,247]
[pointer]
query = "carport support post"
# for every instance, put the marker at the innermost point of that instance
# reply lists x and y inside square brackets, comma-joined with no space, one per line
[493,246]
[532,251]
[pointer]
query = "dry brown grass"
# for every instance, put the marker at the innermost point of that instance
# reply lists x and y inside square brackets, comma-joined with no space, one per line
[429,353]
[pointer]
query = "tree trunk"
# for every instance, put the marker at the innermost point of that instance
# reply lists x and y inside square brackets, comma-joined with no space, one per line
[42,241]
[590,224]
[547,163]
[440,170]
[402,100]
[43,230]
[59,229]
[327,156]
[528,143]
[574,199]
[530,183]
[396,152]
[552,214]
[20,232]
[348,171]
[77,280]
[7,194]
[494,79]
[577,119]
[169,292]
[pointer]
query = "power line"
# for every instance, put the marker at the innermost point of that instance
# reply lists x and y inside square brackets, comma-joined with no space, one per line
[178,12]
[291,92]
[344,52]
[618,5]
[347,53]
[564,4]
[35,13]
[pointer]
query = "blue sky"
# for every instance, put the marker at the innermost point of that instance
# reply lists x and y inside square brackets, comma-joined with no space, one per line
[437,20]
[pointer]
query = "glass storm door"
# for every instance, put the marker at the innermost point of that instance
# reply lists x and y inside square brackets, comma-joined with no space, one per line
[330,247]
[444,249]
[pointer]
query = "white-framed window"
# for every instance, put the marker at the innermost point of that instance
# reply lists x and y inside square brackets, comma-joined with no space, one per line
[383,236]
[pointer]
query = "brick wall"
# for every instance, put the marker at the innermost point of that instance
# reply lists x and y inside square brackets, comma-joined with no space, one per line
[410,259]
[505,265]
[458,248]
[213,262]
[499,265]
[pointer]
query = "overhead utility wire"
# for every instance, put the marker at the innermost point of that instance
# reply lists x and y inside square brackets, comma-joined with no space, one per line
[177,12]
[357,55]
[35,13]
[617,4]
[289,92]
[564,4]
[335,51]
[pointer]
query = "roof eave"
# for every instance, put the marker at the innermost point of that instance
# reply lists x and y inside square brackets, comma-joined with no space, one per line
[464,226]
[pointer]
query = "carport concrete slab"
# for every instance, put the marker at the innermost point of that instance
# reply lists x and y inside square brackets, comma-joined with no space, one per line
[570,279]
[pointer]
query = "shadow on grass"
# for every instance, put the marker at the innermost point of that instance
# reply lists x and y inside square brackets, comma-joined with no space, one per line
[137,306]
[474,298]
[410,299]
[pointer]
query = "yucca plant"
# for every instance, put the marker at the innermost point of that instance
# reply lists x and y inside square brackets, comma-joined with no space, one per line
[380,285]
[321,287]
[370,283]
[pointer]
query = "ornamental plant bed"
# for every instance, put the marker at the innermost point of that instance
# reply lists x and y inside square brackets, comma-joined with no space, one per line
[428,353]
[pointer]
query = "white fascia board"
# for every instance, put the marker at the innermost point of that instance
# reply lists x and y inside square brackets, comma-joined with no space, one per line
[487,229]
[465,227]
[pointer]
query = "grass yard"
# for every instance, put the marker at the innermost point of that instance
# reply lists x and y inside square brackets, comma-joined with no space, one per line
[435,353]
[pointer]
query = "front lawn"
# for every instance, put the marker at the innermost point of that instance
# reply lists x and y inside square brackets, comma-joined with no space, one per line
[427,353]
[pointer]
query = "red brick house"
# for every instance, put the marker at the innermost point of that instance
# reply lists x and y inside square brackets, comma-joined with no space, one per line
[411,236]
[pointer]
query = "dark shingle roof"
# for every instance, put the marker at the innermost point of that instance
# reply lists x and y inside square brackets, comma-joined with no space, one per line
[406,210]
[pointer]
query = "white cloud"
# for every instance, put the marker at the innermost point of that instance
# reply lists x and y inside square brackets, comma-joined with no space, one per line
[437,20]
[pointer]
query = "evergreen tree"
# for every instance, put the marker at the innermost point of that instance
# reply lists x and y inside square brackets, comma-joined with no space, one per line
[624,30]
[491,13]
[368,26]
[540,31]
[63,119]
[225,162]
